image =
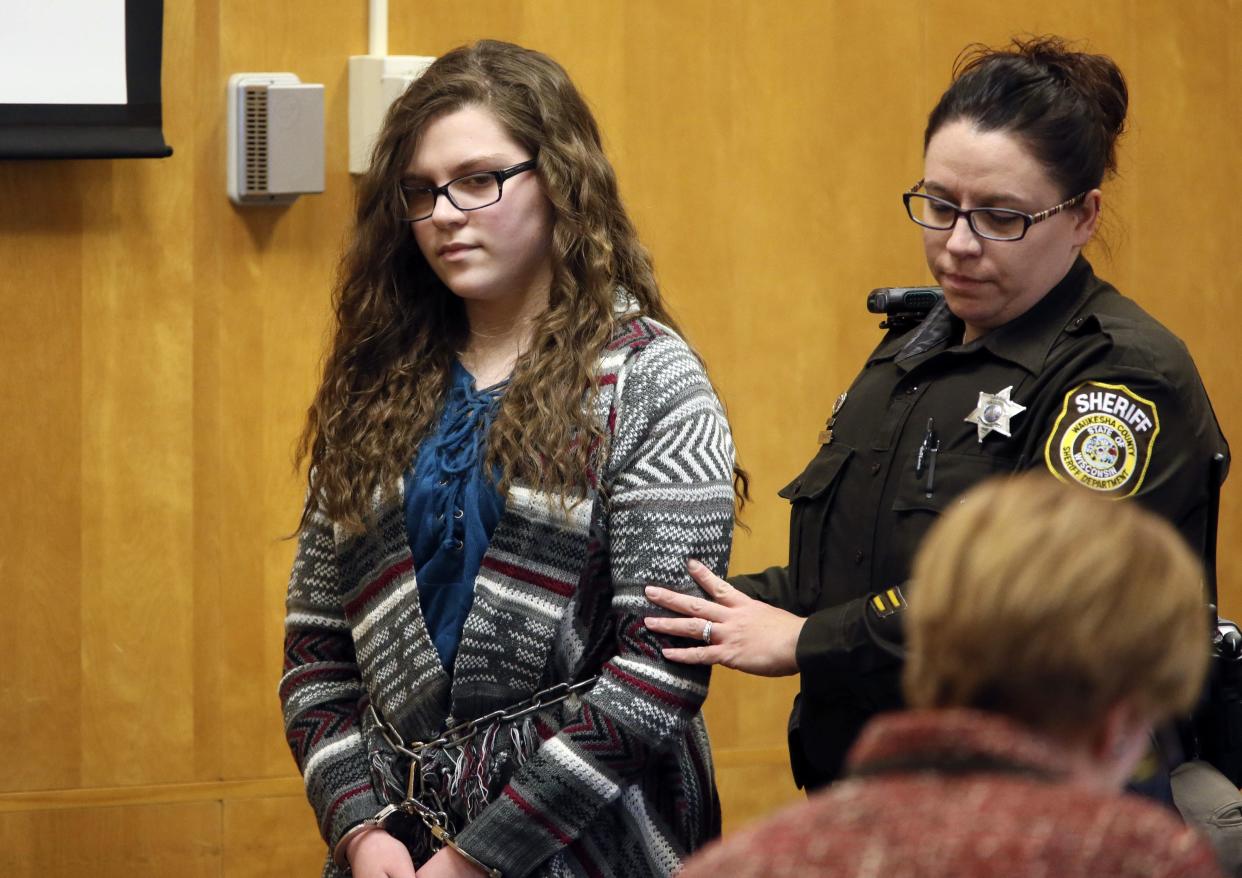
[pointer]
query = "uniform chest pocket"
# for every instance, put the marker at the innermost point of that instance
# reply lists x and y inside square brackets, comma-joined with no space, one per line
[954,474]
[820,475]
[811,495]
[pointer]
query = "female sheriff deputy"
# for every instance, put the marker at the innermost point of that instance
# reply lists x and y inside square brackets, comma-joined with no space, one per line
[1030,362]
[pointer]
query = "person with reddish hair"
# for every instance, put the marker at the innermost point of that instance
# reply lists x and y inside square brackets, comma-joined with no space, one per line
[1042,649]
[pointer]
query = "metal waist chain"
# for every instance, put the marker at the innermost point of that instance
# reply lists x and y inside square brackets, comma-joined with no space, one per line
[435,817]
[463,732]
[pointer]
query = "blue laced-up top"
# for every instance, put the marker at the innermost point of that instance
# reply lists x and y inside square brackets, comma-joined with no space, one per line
[451,509]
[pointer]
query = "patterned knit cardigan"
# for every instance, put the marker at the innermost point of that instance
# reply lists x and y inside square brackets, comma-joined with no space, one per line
[620,782]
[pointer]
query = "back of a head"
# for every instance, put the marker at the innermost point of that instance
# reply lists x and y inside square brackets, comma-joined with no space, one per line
[1050,605]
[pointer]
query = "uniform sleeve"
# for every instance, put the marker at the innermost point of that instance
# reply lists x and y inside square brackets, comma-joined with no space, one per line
[772,586]
[321,690]
[670,497]
[1133,432]
[840,646]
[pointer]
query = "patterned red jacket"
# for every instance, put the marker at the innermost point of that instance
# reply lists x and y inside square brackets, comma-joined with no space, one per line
[962,794]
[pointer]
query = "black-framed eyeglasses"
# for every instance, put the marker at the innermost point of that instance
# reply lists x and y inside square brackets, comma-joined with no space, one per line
[469,192]
[993,223]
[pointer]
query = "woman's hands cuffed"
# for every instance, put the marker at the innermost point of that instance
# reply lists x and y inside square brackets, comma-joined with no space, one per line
[447,863]
[745,634]
[376,854]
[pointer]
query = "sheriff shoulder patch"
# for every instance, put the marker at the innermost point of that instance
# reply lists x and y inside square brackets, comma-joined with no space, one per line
[1103,438]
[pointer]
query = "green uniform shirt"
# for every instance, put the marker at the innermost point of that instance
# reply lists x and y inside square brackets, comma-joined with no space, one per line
[1089,387]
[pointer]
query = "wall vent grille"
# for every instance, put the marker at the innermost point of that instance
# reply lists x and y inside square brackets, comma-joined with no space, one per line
[256,139]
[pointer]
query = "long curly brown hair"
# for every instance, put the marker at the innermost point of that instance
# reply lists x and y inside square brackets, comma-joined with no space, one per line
[398,327]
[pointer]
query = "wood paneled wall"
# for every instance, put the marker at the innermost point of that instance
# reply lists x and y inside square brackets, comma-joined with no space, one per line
[159,346]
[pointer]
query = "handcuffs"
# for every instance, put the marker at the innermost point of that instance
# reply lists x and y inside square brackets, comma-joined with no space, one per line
[433,820]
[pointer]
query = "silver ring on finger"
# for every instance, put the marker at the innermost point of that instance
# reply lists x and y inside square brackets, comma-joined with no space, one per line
[706,636]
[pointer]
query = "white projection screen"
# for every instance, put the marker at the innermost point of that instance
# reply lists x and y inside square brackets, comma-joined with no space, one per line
[81,79]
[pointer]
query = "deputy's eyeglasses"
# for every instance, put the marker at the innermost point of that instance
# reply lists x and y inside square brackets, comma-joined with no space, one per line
[993,223]
[469,192]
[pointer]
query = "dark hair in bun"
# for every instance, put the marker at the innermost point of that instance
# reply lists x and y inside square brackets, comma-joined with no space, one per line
[1068,107]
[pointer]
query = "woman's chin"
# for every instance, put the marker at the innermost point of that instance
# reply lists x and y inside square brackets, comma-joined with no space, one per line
[976,314]
[965,306]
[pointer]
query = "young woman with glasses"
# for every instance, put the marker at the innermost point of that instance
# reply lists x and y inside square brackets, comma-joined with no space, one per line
[510,439]
[1029,362]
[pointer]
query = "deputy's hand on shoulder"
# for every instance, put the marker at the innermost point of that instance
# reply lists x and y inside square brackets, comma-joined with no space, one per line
[745,634]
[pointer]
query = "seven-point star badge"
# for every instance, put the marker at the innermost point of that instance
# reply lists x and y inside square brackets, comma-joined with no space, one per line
[994,411]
